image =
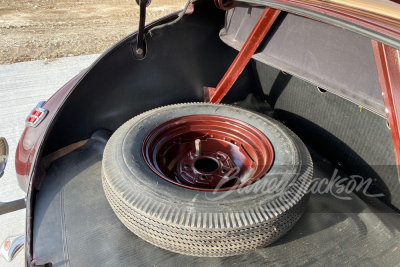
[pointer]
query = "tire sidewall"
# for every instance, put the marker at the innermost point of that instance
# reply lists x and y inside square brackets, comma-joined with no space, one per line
[126,148]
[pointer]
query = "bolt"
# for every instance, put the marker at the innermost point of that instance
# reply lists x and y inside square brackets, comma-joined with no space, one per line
[197,143]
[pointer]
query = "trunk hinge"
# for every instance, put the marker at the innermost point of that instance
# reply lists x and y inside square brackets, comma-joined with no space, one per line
[138,45]
[264,23]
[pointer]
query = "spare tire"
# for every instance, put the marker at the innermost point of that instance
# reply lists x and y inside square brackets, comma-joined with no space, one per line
[179,198]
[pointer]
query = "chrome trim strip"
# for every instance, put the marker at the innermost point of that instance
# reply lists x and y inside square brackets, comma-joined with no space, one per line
[12,246]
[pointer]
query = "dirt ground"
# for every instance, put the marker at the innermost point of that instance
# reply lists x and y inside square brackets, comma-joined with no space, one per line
[48,29]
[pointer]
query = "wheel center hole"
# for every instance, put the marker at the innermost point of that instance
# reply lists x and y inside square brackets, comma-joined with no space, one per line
[206,165]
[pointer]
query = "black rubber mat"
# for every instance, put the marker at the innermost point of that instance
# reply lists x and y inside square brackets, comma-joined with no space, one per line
[75,226]
[343,132]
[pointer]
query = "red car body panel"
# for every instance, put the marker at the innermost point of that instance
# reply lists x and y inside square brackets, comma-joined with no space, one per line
[28,143]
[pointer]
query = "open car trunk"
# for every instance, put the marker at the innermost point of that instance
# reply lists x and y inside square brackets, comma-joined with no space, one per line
[319,80]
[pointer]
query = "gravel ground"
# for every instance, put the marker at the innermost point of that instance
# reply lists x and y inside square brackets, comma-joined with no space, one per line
[47,29]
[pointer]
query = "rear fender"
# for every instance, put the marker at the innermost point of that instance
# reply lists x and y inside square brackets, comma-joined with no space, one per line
[28,143]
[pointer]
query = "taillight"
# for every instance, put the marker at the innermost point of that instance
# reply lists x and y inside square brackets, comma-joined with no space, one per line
[37,115]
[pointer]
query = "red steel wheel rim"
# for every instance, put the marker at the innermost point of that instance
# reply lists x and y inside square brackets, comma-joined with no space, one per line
[231,154]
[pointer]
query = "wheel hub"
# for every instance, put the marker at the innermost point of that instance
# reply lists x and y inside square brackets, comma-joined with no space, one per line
[208,152]
[207,169]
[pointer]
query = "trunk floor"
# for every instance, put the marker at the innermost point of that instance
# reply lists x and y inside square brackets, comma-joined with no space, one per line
[75,226]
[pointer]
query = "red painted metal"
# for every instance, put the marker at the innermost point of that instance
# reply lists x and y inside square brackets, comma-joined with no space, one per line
[388,66]
[27,145]
[240,154]
[256,36]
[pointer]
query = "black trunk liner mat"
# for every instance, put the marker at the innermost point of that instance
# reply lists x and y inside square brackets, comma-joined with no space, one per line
[75,226]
